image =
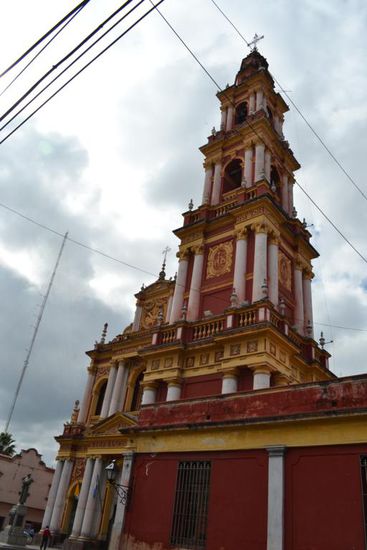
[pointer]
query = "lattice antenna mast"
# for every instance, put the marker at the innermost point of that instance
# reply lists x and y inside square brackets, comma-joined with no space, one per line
[35,332]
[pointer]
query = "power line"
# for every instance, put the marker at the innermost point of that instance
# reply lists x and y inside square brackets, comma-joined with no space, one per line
[298,110]
[40,40]
[260,137]
[41,50]
[83,68]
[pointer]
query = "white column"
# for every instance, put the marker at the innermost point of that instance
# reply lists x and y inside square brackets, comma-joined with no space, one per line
[261,379]
[285,194]
[174,391]
[307,300]
[259,162]
[229,383]
[267,165]
[252,103]
[290,196]
[117,389]
[82,417]
[230,113]
[60,495]
[273,283]
[169,309]
[248,167]
[82,500]
[118,523]
[92,500]
[216,183]
[260,262]
[275,538]
[52,494]
[109,389]
[223,119]
[178,295]
[239,278]
[298,295]
[195,286]
[137,316]
[259,100]
[149,395]
[207,184]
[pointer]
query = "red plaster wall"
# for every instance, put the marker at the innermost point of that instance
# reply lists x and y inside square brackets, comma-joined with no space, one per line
[323,509]
[237,500]
[161,392]
[216,302]
[245,380]
[199,386]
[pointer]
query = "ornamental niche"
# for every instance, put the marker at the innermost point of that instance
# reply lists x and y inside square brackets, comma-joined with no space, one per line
[285,271]
[219,260]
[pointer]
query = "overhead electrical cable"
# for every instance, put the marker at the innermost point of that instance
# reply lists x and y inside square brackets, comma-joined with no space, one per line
[42,50]
[82,69]
[66,57]
[316,134]
[40,40]
[260,138]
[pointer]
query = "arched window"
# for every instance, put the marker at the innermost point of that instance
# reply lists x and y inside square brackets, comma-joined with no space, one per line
[232,175]
[274,179]
[241,113]
[102,391]
[138,393]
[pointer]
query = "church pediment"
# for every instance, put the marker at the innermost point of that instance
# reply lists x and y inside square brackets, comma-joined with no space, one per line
[112,424]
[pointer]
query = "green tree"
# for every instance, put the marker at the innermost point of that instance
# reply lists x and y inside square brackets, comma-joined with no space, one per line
[7,446]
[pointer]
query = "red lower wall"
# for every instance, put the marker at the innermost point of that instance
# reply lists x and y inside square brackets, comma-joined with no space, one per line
[198,386]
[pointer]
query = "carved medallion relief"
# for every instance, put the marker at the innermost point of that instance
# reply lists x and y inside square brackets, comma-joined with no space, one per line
[219,260]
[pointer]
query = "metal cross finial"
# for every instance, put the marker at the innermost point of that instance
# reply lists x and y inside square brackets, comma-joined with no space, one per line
[255,40]
[165,252]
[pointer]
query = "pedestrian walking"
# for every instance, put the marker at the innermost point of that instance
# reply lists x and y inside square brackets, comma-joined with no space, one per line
[46,534]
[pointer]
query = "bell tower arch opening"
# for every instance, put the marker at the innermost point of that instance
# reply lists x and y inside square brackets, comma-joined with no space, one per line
[241,112]
[232,176]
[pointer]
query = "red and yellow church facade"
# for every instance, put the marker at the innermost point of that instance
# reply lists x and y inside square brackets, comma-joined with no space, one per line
[216,406]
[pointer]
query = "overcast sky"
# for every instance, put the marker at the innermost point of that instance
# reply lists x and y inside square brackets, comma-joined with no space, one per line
[114,160]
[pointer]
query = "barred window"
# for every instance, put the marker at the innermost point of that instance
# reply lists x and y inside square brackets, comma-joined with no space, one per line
[364,493]
[191,504]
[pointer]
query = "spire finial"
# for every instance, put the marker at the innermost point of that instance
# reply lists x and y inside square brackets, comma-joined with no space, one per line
[162,274]
[104,333]
[253,44]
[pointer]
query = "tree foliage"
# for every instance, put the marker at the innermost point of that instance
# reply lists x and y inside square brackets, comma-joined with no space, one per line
[7,444]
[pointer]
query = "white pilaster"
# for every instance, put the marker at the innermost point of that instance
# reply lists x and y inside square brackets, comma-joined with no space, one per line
[216,183]
[275,538]
[137,316]
[173,391]
[82,500]
[285,194]
[252,104]
[52,494]
[248,167]
[259,100]
[239,278]
[195,286]
[307,301]
[260,262]
[290,195]
[261,379]
[273,283]
[267,165]
[298,294]
[118,524]
[178,295]
[93,501]
[207,184]
[60,495]
[109,389]
[169,309]
[259,162]
[223,119]
[149,395]
[82,417]
[230,114]
[118,388]
[229,383]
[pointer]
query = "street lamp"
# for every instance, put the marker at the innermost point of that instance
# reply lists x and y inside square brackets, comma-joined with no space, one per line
[121,490]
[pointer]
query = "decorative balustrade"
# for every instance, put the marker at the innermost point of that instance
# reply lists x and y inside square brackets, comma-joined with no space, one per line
[247,318]
[167,336]
[205,330]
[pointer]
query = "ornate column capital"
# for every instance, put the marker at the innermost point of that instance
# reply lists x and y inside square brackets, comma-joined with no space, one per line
[183,254]
[307,274]
[197,249]
[260,227]
[241,234]
[299,263]
[274,237]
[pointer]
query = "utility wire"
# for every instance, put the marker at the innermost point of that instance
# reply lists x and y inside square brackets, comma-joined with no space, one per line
[126,264]
[65,58]
[41,50]
[83,68]
[260,137]
[298,110]
[40,40]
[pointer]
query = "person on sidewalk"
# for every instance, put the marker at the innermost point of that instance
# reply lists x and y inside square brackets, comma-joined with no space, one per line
[46,534]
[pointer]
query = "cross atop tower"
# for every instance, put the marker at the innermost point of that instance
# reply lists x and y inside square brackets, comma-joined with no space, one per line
[253,45]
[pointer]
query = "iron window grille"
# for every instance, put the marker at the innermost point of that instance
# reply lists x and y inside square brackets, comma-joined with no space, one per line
[190,512]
